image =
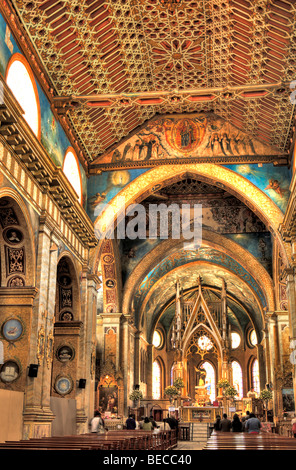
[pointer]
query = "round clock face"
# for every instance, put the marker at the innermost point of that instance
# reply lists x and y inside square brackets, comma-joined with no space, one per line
[63,385]
[12,329]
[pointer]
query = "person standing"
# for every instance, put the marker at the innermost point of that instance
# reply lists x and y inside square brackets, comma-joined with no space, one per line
[131,422]
[253,424]
[225,424]
[97,423]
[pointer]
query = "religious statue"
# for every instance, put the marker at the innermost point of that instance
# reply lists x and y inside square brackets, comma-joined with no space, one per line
[201,376]
[201,394]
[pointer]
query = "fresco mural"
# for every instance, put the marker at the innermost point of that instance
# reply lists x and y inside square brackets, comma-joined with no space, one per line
[236,287]
[258,244]
[183,257]
[179,137]
[102,188]
[273,181]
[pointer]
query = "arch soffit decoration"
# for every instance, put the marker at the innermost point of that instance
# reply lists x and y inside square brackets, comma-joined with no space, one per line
[176,272]
[108,261]
[211,239]
[202,263]
[69,257]
[13,194]
[239,186]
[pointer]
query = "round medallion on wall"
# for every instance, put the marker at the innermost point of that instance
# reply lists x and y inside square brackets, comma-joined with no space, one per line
[66,316]
[185,134]
[16,281]
[13,236]
[12,329]
[9,372]
[65,353]
[64,280]
[108,259]
[110,283]
[63,385]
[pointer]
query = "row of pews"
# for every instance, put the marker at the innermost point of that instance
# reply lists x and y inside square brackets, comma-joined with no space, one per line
[245,441]
[110,440]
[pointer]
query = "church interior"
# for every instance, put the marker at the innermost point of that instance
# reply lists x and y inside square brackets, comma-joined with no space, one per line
[118,119]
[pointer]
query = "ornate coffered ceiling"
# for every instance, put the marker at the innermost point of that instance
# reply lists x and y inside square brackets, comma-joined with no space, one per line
[113,65]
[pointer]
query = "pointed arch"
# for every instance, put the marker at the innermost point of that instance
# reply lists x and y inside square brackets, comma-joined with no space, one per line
[217,175]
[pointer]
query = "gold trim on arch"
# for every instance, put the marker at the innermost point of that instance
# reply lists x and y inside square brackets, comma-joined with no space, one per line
[238,185]
[211,239]
[193,264]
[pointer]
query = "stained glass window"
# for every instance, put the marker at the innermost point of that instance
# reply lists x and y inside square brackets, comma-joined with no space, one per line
[205,343]
[156,381]
[72,172]
[22,84]
[255,376]
[210,380]
[237,377]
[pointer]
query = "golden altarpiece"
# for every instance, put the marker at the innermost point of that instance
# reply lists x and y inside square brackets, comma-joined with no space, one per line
[201,329]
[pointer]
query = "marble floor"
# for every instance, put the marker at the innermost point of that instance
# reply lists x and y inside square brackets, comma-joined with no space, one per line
[189,445]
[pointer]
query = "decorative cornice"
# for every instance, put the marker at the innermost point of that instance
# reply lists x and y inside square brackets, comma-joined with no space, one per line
[19,140]
[23,39]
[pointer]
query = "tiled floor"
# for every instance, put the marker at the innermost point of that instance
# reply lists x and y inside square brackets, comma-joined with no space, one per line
[188,445]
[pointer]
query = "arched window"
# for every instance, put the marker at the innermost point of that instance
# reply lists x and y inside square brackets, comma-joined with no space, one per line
[20,80]
[255,376]
[72,172]
[157,339]
[210,380]
[237,377]
[156,381]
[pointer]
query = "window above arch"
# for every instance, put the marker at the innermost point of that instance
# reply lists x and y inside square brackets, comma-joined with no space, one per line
[72,172]
[252,338]
[235,340]
[156,382]
[20,80]
[237,377]
[157,339]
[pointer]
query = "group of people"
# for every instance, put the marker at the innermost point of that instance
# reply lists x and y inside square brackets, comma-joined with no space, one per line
[97,423]
[248,423]
[149,424]
[145,423]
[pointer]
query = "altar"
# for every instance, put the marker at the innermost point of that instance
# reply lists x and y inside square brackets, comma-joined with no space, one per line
[205,414]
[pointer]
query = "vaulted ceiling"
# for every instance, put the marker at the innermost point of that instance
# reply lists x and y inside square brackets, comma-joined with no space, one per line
[112,65]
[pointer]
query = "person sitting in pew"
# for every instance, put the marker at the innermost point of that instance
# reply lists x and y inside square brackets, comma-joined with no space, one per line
[253,424]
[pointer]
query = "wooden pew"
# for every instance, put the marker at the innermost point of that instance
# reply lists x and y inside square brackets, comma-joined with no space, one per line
[111,440]
[245,441]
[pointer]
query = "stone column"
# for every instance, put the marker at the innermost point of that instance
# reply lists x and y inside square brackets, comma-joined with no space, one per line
[137,357]
[37,413]
[291,296]
[275,361]
[267,355]
[149,371]
[262,366]
[85,398]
